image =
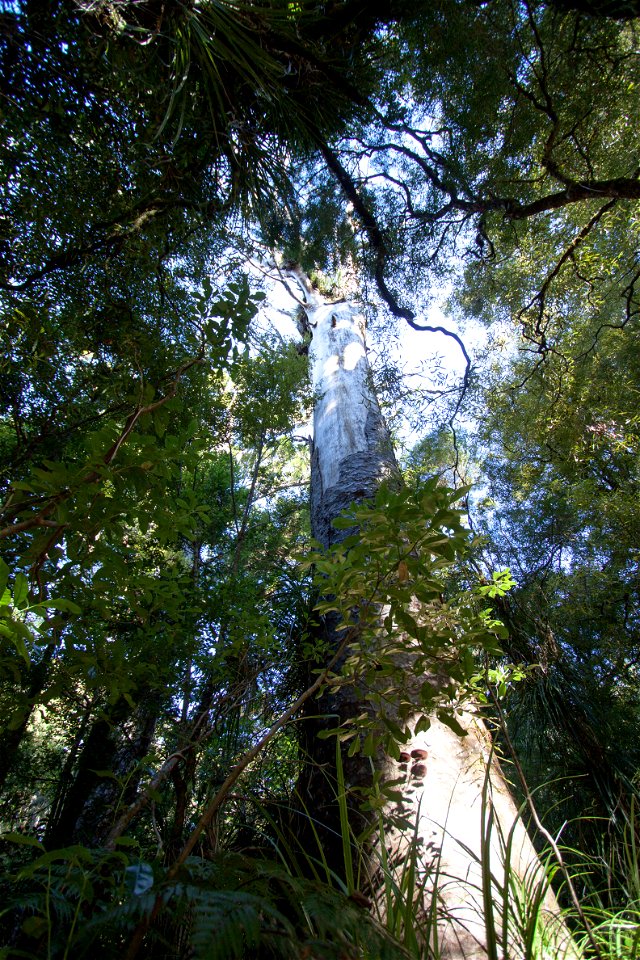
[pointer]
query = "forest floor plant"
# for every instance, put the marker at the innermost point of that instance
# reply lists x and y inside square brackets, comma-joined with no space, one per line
[281,902]
[613,912]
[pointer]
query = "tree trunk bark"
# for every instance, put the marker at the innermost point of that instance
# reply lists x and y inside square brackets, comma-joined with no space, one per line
[441,777]
[87,804]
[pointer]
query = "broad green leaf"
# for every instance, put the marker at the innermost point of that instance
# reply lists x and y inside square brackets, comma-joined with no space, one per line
[450,721]
[60,603]
[22,839]
[20,590]
[422,724]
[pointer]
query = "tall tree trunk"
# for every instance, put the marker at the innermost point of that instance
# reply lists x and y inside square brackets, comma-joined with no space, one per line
[88,801]
[442,777]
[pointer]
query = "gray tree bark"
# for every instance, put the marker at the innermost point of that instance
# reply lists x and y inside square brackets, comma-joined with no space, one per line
[441,776]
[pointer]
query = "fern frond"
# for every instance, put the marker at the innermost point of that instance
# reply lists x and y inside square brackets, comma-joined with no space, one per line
[230,924]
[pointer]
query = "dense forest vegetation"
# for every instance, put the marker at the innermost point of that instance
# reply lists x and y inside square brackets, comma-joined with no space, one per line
[179,628]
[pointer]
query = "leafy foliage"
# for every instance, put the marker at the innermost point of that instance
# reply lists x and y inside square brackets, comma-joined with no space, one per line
[395,567]
[150,605]
[231,906]
[556,437]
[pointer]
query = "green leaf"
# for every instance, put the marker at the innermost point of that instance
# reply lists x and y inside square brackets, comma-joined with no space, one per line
[392,748]
[450,721]
[423,724]
[369,745]
[401,736]
[20,590]
[17,636]
[127,842]
[343,523]
[21,839]
[60,603]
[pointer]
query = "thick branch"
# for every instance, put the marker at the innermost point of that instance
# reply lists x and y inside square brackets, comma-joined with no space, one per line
[619,188]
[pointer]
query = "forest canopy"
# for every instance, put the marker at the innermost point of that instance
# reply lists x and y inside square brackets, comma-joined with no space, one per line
[166,167]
